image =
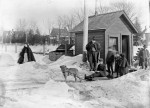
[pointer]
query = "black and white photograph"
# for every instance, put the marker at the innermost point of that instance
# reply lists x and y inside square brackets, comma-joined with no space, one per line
[74,53]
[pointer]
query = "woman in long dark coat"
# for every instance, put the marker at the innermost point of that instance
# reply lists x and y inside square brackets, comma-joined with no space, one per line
[26,55]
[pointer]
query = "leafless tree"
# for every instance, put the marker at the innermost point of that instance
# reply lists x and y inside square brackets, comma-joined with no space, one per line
[128,7]
[103,9]
[49,25]
[32,25]
[67,21]
[79,14]
[21,25]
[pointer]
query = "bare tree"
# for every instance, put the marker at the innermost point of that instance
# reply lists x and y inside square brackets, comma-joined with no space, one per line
[103,9]
[32,25]
[128,7]
[79,14]
[21,25]
[49,25]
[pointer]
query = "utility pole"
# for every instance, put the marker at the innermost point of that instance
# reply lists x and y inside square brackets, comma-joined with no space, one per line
[85,32]
[96,7]
[26,37]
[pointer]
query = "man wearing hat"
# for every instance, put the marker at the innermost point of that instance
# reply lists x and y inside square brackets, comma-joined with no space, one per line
[144,56]
[93,53]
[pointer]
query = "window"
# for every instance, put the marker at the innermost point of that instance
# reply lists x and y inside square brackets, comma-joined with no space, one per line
[113,43]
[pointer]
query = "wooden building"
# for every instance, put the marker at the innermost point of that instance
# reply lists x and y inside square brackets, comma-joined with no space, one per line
[111,29]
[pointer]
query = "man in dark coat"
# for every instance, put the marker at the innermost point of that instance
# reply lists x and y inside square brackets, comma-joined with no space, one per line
[26,54]
[110,61]
[124,65]
[144,57]
[93,51]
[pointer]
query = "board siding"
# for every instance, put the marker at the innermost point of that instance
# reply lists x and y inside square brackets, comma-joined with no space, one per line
[99,36]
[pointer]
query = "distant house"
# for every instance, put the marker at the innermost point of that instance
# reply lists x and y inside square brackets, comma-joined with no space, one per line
[6,36]
[60,35]
[113,29]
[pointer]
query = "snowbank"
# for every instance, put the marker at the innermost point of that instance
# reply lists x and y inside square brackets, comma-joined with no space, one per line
[128,91]
[6,60]
[32,71]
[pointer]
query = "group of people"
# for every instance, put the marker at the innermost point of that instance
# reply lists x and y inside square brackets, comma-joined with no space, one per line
[113,59]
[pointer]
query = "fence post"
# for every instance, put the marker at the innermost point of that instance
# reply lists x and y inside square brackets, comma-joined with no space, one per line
[43,49]
[65,49]
[5,47]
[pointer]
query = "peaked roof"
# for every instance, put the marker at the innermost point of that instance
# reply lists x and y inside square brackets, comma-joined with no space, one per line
[103,21]
[55,32]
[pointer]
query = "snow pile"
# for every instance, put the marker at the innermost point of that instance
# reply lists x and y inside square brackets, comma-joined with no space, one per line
[46,60]
[39,48]
[32,71]
[70,62]
[128,91]
[53,88]
[6,60]
[51,95]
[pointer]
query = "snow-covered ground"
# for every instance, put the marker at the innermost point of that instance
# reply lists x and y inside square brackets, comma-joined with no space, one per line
[41,84]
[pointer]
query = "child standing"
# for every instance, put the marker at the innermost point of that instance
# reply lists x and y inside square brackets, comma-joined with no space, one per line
[117,63]
[123,65]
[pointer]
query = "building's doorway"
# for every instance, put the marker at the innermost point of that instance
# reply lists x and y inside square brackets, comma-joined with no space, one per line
[125,46]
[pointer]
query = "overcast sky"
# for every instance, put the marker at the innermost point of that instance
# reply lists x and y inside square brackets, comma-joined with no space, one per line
[41,10]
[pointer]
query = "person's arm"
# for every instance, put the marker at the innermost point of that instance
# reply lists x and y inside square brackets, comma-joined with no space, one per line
[87,47]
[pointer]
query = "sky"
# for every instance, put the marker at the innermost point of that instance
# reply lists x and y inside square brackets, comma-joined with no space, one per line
[42,10]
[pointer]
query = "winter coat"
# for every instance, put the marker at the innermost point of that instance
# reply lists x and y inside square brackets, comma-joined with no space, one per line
[110,57]
[117,63]
[143,55]
[91,47]
[30,55]
[93,51]
[124,66]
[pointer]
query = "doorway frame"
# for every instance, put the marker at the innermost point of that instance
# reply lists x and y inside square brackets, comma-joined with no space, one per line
[129,49]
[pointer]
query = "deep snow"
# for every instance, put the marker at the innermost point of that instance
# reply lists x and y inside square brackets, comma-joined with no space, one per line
[41,84]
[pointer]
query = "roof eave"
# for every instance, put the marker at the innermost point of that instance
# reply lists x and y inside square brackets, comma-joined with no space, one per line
[102,29]
[134,28]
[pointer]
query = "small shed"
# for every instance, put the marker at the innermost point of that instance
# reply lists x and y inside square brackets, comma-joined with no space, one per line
[113,29]
[63,49]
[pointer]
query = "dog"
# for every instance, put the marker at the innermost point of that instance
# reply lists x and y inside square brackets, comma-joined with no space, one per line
[70,71]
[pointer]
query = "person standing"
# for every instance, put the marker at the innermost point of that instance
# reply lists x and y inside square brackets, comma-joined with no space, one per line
[110,61]
[117,63]
[93,53]
[26,54]
[124,65]
[144,57]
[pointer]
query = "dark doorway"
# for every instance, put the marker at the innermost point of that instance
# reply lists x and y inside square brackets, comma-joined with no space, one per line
[125,46]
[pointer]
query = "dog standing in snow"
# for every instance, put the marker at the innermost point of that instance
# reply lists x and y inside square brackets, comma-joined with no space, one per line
[70,71]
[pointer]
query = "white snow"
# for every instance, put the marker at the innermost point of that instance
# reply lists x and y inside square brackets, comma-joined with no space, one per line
[41,84]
